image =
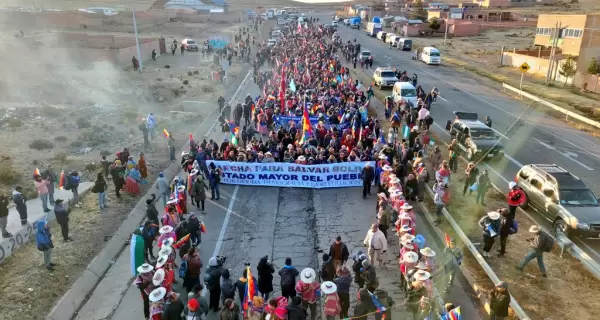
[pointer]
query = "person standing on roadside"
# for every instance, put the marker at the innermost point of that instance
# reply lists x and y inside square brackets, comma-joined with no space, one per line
[100,188]
[4,216]
[49,175]
[62,217]
[471,173]
[117,172]
[506,222]
[483,184]
[542,242]
[215,181]
[338,251]
[343,281]
[43,240]
[368,175]
[41,186]
[21,203]
[288,276]
[163,188]
[515,198]
[453,151]
[74,180]
[499,301]
[489,224]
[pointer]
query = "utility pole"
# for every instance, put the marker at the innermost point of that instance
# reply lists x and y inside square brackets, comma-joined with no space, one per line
[446,32]
[553,42]
[137,39]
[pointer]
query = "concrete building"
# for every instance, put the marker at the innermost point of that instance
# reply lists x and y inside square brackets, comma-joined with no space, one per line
[576,36]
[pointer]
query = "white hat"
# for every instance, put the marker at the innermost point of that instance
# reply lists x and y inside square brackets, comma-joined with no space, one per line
[172,201]
[168,242]
[534,229]
[408,245]
[161,261]
[165,229]
[184,153]
[407,238]
[382,195]
[159,277]
[328,287]
[512,184]
[301,158]
[405,216]
[422,275]
[494,215]
[157,294]
[181,188]
[194,172]
[421,265]
[165,250]
[382,157]
[410,257]
[407,206]
[394,180]
[308,275]
[387,168]
[428,252]
[145,268]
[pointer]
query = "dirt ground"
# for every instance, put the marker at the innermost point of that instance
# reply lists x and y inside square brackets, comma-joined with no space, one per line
[67,116]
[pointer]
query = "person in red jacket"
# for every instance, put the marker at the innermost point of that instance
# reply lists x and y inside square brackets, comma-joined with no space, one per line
[515,198]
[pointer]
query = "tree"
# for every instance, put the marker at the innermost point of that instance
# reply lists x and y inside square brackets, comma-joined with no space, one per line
[568,69]
[434,24]
[594,67]
[419,12]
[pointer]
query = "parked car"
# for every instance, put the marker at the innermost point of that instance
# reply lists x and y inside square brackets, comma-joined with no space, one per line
[189,44]
[561,198]
[477,140]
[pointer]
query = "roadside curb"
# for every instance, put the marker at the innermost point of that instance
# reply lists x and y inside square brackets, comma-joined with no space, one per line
[75,298]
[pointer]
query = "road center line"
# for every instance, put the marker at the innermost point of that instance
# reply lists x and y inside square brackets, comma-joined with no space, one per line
[549,147]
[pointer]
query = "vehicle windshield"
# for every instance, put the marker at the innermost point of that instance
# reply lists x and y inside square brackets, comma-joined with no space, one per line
[191,42]
[434,54]
[407,42]
[365,53]
[388,74]
[578,197]
[410,93]
[482,134]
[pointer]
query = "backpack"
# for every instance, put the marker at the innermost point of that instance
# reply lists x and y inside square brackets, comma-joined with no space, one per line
[183,269]
[514,227]
[548,244]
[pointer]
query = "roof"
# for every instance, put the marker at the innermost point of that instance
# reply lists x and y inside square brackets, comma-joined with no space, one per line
[384,69]
[564,178]
[475,124]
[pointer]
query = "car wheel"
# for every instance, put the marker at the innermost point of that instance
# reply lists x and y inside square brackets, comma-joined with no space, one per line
[525,204]
[560,226]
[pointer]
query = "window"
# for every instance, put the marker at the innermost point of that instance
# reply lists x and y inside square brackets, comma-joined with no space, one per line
[537,182]
[524,174]
[409,93]
[577,197]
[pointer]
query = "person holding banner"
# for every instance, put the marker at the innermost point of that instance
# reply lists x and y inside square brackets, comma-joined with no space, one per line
[490,224]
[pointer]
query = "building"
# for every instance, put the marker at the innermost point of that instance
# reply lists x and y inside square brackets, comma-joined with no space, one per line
[512,3]
[576,36]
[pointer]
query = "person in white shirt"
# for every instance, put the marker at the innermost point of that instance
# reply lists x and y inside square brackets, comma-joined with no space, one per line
[376,243]
[423,113]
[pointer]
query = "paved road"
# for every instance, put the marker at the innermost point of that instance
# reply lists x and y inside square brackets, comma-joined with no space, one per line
[529,135]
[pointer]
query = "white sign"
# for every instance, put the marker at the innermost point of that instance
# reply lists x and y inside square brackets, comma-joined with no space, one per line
[12,244]
[277,174]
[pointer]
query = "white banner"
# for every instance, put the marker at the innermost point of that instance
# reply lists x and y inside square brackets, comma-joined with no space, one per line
[277,174]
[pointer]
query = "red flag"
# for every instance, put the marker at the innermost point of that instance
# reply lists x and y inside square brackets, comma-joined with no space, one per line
[282,90]
[181,242]
[250,289]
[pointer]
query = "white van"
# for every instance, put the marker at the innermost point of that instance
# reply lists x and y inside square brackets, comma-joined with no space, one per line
[431,55]
[405,91]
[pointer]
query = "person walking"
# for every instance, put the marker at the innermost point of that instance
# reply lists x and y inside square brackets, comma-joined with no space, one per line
[265,277]
[215,181]
[376,243]
[43,240]
[499,301]
[338,251]
[515,198]
[542,242]
[117,173]
[471,173]
[4,216]
[307,288]
[145,132]
[441,197]
[331,306]
[198,192]
[483,184]
[62,217]
[163,188]
[100,188]
[21,204]
[384,220]
[212,278]
[506,224]
[74,180]
[288,276]
[343,281]
[173,307]
[369,275]
[368,175]
[41,186]
[489,224]
[227,287]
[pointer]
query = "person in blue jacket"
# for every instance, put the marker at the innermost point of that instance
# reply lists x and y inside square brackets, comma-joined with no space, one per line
[74,180]
[43,240]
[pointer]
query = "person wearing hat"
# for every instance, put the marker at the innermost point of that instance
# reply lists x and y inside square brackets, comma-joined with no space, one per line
[490,225]
[157,303]
[368,175]
[198,191]
[331,305]
[173,307]
[288,275]
[515,198]
[451,260]
[196,308]
[338,251]
[428,258]
[144,282]
[307,288]
[542,242]
[499,301]
[356,268]
[62,218]
[369,275]
[343,281]
[376,243]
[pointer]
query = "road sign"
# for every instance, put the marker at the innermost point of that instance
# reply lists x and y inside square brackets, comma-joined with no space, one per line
[524,67]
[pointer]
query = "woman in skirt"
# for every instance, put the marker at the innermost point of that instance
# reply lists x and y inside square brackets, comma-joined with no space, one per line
[132,184]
